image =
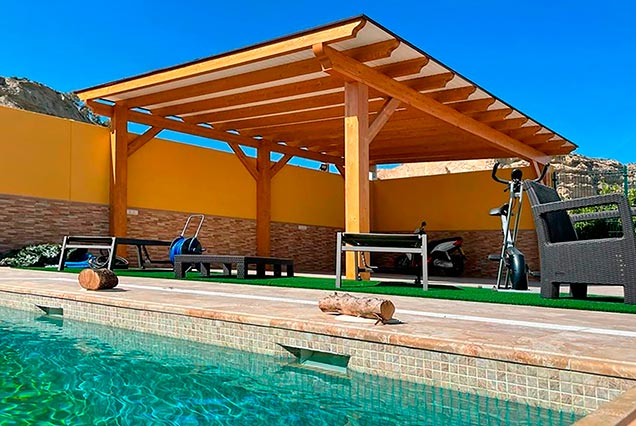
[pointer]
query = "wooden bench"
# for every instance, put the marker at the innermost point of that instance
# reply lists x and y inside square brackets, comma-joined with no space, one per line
[183,261]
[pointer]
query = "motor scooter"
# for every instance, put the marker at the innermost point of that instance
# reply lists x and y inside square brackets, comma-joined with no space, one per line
[445,256]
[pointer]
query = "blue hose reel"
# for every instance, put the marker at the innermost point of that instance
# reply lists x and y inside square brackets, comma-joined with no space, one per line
[187,245]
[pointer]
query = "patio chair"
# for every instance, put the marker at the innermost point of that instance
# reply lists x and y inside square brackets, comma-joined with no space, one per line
[565,259]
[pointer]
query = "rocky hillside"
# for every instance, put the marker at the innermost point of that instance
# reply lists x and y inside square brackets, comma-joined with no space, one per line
[32,96]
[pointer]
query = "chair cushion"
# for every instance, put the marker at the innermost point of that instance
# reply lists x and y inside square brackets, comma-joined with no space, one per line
[559,225]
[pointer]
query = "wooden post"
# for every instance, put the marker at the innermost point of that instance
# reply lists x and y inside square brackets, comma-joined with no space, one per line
[356,165]
[263,201]
[119,173]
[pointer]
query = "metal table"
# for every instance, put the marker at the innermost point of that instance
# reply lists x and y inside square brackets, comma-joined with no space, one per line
[385,243]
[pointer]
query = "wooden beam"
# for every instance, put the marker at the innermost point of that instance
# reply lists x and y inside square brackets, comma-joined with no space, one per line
[452,95]
[357,164]
[288,45]
[206,132]
[247,162]
[523,132]
[366,53]
[263,201]
[139,141]
[490,115]
[352,69]
[118,223]
[276,167]
[381,118]
[475,105]
[537,139]
[509,123]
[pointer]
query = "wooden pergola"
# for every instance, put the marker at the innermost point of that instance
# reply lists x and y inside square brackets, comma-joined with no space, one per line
[351,94]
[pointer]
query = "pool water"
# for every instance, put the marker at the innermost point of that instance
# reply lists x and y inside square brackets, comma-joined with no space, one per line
[58,371]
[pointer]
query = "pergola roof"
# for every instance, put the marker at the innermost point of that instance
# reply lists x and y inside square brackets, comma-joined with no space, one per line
[288,94]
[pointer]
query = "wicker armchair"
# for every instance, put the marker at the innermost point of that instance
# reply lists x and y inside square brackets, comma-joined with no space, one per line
[567,260]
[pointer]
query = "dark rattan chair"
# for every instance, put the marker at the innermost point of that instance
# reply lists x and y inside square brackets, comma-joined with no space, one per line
[567,260]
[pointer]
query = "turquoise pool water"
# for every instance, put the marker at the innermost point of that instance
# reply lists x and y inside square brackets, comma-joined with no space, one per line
[55,371]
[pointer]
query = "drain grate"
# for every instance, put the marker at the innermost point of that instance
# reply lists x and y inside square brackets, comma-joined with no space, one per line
[324,361]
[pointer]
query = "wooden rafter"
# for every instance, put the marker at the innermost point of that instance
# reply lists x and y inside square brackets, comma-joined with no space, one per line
[523,132]
[490,115]
[538,138]
[135,144]
[452,95]
[475,105]
[206,132]
[247,162]
[509,123]
[352,69]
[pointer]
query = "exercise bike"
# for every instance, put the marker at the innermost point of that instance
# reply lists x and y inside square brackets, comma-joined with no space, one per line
[512,271]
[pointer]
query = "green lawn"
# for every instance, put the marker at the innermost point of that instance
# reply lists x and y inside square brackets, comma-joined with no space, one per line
[593,303]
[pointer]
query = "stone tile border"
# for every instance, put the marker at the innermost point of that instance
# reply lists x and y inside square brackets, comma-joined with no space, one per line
[546,387]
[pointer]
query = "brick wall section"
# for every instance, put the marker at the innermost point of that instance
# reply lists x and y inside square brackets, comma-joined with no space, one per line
[26,220]
[313,248]
[477,246]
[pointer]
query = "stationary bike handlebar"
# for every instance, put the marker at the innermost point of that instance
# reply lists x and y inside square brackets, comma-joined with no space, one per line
[516,174]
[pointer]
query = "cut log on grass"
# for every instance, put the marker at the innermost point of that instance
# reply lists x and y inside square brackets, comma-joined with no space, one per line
[366,307]
[98,279]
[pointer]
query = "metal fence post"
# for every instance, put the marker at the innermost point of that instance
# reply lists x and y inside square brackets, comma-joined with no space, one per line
[625,182]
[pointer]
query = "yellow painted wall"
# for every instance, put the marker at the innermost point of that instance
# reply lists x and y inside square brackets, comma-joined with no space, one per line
[459,201]
[173,176]
[49,157]
[300,195]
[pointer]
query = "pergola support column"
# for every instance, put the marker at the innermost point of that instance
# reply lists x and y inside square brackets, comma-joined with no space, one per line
[263,201]
[119,172]
[356,122]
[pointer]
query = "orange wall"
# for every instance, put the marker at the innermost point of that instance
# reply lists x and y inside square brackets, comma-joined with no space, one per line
[49,157]
[316,197]
[458,201]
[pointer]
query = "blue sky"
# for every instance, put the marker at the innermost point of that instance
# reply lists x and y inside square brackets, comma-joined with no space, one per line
[571,65]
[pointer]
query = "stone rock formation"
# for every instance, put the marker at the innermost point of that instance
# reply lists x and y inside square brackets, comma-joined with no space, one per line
[28,95]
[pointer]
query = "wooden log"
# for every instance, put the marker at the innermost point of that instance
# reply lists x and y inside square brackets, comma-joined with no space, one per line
[97,279]
[365,307]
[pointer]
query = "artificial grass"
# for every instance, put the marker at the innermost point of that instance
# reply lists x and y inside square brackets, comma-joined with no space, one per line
[448,292]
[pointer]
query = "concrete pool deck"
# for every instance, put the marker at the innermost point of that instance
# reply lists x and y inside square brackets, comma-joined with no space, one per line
[598,343]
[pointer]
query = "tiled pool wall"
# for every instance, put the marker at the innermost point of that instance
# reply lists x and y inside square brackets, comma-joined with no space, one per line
[545,387]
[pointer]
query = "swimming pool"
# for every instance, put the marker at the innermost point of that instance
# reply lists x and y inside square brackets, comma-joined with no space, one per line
[60,371]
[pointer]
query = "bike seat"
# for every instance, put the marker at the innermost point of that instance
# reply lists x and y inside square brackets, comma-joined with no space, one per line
[499,211]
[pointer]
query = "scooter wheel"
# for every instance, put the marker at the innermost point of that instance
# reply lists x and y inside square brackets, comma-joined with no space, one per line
[458,266]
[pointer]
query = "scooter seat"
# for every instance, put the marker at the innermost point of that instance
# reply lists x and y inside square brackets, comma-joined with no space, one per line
[499,211]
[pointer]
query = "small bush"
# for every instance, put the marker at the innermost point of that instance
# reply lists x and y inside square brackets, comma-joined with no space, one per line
[34,255]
